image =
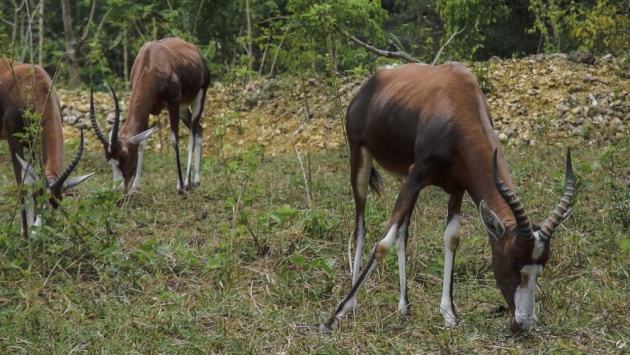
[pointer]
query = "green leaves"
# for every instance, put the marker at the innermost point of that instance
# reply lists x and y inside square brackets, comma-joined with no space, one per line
[467,22]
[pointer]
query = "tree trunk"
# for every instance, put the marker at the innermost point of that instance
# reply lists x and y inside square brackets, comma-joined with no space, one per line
[250,54]
[16,11]
[126,57]
[71,45]
[41,33]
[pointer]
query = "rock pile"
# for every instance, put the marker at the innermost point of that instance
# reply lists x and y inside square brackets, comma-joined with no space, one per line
[536,100]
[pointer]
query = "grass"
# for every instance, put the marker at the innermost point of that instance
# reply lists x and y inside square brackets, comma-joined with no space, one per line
[242,265]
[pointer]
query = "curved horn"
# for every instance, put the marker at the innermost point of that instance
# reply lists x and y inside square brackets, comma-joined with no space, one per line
[73,164]
[524,225]
[550,225]
[97,129]
[114,133]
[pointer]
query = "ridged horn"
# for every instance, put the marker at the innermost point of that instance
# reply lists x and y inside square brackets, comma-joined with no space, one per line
[114,133]
[550,225]
[523,224]
[68,170]
[97,129]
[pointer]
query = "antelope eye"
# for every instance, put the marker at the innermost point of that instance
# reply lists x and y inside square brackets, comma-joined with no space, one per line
[513,261]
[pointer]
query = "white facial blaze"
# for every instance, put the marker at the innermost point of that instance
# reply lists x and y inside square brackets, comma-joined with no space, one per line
[118,175]
[539,246]
[525,297]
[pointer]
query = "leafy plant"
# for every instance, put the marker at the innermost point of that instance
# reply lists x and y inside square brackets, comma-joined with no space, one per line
[602,28]
[618,182]
[465,22]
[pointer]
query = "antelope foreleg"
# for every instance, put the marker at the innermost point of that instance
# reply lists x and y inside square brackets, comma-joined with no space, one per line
[191,148]
[405,202]
[451,243]
[349,302]
[174,121]
[401,251]
[196,140]
[194,152]
[180,179]
[198,144]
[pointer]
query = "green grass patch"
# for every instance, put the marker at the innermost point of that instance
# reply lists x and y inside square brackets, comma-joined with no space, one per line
[243,264]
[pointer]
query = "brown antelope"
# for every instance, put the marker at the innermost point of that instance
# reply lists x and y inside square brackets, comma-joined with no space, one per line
[430,125]
[170,74]
[24,87]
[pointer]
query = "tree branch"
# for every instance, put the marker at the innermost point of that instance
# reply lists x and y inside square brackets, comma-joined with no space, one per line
[397,55]
[446,44]
[87,25]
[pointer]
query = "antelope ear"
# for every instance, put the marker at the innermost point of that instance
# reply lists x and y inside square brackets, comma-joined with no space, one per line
[491,221]
[73,182]
[27,171]
[141,137]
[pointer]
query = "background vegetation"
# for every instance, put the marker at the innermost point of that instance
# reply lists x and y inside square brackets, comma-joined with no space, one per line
[255,258]
[97,40]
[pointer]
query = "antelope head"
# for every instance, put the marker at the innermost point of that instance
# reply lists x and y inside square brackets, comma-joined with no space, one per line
[121,152]
[56,186]
[521,249]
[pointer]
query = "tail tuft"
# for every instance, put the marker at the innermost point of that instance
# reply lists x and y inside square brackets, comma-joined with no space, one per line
[376,183]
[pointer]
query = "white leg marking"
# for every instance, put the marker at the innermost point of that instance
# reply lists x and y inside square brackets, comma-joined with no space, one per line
[451,241]
[196,111]
[351,304]
[358,249]
[191,147]
[198,143]
[378,252]
[401,241]
[525,297]
[136,180]
[30,214]
[173,143]
[28,178]
[386,243]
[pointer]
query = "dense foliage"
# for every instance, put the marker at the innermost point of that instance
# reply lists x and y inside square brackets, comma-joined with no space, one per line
[100,38]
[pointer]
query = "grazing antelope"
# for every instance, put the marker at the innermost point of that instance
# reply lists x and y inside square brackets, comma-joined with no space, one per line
[431,126]
[24,87]
[170,74]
